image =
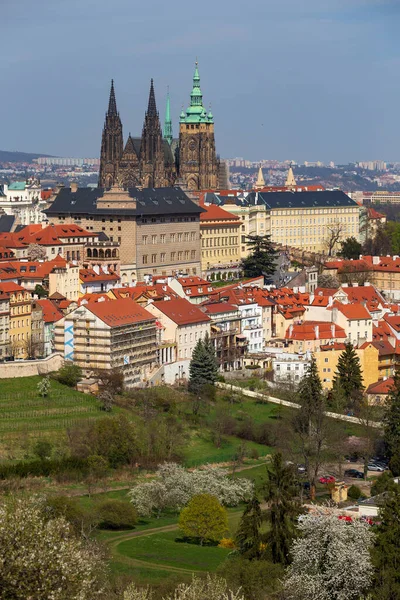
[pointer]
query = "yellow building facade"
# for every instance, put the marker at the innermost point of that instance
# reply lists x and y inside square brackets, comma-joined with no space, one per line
[20,322]
[220,239]
[327,361]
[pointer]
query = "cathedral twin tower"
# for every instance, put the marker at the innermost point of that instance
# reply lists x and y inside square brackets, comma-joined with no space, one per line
[157,159]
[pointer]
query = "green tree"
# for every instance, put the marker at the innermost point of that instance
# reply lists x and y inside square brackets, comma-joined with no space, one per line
[43,449]
[116,514]
[350,248]
[262,257]
[348,376]
[203,369]
[283,509]
[40,292]
[69,374]
[310,423]
[256,579]
[204,518]
[385,555]
[391,421]
[248,535]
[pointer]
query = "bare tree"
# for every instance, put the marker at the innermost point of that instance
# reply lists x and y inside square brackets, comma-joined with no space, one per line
[334,233]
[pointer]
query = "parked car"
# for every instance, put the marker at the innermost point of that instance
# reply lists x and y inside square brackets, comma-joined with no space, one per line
[353,458]
[375,467]
[354,473]
[327,479]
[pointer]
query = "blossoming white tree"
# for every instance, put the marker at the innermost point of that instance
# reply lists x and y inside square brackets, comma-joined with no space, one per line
[331,560]
[174,486]
[42,559]
[210,588]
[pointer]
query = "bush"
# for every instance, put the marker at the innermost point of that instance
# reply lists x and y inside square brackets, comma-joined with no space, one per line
[204,518]
[69,374]
[116,514]
[71,510]
[354,492]
[37,468]
[227,543]
[43,449]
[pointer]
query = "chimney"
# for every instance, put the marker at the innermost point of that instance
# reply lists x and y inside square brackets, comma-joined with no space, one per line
[355,284]
[333,330]
[290,330]
[316,329]
[376,260]
[74,187]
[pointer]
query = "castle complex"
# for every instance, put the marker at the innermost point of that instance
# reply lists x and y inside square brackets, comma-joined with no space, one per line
[156,159]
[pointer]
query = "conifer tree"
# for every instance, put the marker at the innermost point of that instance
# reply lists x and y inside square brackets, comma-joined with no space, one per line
[203,369]
[248,536]
[385,555]
[391,422]
[348,377]
[262,257]
[280,495]
[310,423]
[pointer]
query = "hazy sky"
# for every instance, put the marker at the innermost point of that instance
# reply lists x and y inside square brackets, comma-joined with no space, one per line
[287,79]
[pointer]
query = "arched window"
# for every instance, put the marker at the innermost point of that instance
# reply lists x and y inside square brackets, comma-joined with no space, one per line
[101,253]
[89,253]
[108,253]
[114,253]
[95,253]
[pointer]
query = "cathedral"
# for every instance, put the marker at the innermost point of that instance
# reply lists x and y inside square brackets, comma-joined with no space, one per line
[156,159]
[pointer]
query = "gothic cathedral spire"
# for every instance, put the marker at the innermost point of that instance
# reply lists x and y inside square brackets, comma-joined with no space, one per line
[151,147]
[198,163]
[111,144]
[168,123]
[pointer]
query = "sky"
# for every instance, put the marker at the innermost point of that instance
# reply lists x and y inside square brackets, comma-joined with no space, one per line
[286,79]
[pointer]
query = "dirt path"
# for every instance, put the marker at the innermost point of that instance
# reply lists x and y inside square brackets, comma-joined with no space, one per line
[135,562]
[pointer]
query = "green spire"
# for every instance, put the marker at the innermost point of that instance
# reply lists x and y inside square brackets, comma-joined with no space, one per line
[196,112]
[168,123]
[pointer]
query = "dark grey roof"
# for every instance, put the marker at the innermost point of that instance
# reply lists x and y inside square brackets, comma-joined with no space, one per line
[6,223]
[324,199]
[168,154]
[149,201]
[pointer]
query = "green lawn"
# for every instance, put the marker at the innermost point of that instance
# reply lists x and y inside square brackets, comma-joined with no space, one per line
[201,449]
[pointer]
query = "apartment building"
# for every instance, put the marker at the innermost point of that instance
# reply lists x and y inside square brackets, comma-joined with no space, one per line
[5,348]
[298,219]
[104,335]
[381,271]
[20,318]
[311,335]
[327,357]
[49,316]
[183,324]
[229,343]
[220,242]
[158,229]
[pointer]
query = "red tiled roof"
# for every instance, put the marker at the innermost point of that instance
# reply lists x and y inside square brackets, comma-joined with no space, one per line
[393,321]
[50,311]
[94,298]
[219,307]
[374,214]
[334,346]
[181,311]
[86,275]
[213,212]
[9,287]
[309,329]
[319,291]
[52,234]
[119,312]
[353,311]
[381,387]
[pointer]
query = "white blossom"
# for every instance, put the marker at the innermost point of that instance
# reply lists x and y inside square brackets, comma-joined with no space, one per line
[209,588]
[174,486]
[331,560]
[42,559]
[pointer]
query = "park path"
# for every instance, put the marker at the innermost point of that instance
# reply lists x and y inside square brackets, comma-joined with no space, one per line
[135,562]
[337,416]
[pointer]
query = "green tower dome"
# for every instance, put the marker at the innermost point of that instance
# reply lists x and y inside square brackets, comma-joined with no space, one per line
[196,112]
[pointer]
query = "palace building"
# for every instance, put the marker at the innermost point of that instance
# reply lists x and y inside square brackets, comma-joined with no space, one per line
[156,159]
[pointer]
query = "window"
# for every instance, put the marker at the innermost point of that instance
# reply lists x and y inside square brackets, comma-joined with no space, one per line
[173,256]
[162,238]
[154,239]
[154,258]
[173,236]
[180,255]
[179,237]
[162,257]
[145,259]
[144,240]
